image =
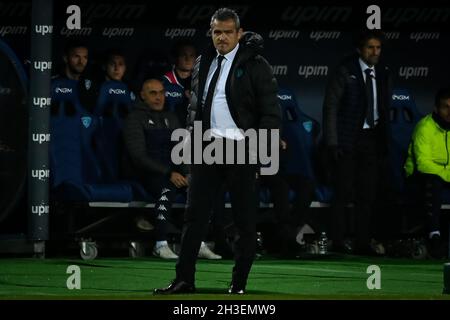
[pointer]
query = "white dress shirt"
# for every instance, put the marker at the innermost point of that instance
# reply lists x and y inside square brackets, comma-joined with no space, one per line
[364,66]
[222,124]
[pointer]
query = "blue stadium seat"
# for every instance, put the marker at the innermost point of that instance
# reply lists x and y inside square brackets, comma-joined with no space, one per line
[403,116]
[300,132]
[75,171]
[174,96]
[113,105]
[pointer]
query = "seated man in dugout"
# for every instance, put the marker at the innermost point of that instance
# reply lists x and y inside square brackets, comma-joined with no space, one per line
[428,163]
[147,135]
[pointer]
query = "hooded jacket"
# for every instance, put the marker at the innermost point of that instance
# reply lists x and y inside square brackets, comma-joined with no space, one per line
[147,139]
[428,151]
[251,88]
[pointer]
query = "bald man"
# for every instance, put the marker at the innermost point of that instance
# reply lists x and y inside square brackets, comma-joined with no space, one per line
[147,133]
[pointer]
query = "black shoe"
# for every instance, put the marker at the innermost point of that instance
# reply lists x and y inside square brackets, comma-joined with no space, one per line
[176,287]
[437,248]
[234,289]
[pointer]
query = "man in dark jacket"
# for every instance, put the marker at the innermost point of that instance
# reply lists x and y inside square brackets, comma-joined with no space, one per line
[355,118]
[233,89]
[147,132]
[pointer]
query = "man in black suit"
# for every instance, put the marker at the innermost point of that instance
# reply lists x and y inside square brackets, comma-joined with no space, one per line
[233,89]
[355,118]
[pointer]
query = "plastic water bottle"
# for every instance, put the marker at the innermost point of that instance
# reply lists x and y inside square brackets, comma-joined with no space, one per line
[323,243]
[259,245]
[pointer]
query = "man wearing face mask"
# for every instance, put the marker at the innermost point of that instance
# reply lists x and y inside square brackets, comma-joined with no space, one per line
[428,162]
[355,123]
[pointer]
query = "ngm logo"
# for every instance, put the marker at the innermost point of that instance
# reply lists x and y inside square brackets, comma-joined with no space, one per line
[280,70]
[41,137]
[417,36]
[174,94]
[173,33]
[43,29]
[400,97]
[40,210]
[283,34]
[308,71]
[118,32]
[63,90]
[285,97]
[40,174]
[42,65]
[116,91]
[408,72]
[319,35]
[41,102]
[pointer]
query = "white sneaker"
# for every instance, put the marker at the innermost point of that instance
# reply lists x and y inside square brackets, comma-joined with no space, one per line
[377,247]
[164,252]
[143,224]
[206,253]
[305,229]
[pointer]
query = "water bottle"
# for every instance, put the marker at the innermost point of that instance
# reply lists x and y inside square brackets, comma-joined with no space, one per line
[323,243]
[259,245]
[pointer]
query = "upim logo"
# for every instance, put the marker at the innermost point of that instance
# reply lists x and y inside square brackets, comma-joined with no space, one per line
[43,29]
[424,36]
[173,33]
[40,174]
[284,97]
[116,91]
[308,71]
[400,97]
[63,90]
[194,14]
[280,70]
[42,65]
[407,72]
[392,35]
[327,14]
[41,102]
[283,34]
[13,30]
[76,32]
[318,35]
[40,210]
[41,137]
[174,94]
[118,32]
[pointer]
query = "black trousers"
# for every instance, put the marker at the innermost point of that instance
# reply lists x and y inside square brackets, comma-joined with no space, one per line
[356,179]
[206,182]
[164,192]
[432,188]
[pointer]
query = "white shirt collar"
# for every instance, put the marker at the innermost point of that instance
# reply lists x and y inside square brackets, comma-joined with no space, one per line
[364,66]
[230,55]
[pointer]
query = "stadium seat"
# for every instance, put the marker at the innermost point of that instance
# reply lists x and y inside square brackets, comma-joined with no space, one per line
[76,174]
[403,117]
[300,131]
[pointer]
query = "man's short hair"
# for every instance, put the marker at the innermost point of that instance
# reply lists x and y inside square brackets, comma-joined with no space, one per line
[224,14]
[176,49]
[111,53]
[363,37]
[73,44]
[442,94]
